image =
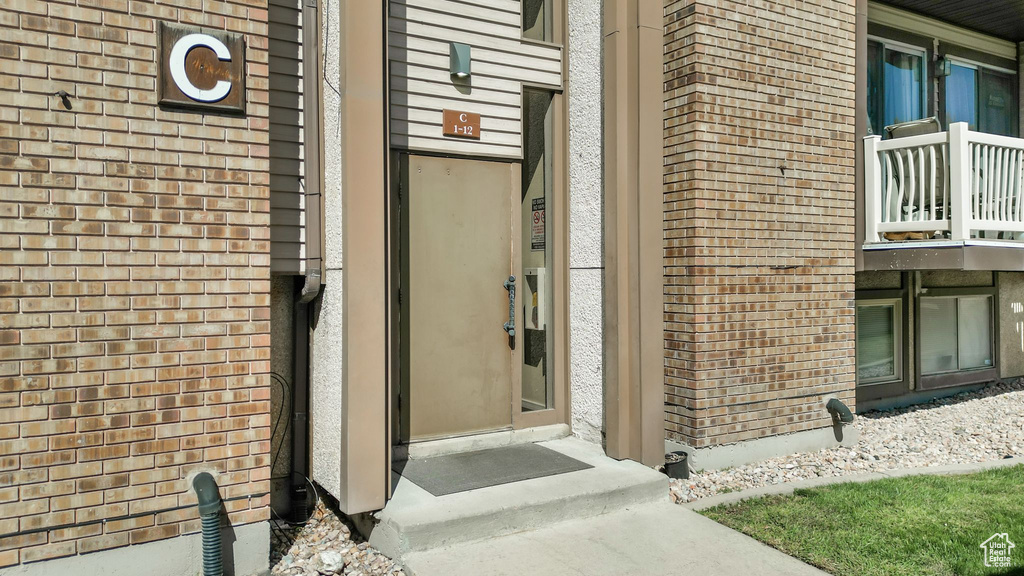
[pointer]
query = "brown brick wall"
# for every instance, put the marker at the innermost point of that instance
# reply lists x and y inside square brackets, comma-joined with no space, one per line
[134,280]
[759,210]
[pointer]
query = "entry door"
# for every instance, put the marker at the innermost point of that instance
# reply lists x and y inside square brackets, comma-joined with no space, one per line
[457,252]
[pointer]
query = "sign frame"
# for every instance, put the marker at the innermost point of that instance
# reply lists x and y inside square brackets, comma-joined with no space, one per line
[201,68]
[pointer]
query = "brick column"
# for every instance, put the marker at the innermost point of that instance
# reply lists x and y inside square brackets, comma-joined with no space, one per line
[759,205]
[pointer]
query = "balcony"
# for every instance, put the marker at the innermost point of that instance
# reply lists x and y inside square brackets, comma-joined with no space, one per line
[946,200]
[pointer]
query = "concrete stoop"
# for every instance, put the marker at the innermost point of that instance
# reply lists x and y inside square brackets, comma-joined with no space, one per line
[416,521]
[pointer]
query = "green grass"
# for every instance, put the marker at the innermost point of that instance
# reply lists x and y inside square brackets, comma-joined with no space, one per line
[920,525]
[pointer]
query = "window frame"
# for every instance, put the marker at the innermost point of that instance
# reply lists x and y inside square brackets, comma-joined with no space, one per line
[877,390]
[559,16]
[897,343]
[906,48]
[981,68]
[559,411]
[958,377]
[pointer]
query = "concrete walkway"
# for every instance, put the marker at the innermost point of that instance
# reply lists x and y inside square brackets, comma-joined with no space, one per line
[660,539]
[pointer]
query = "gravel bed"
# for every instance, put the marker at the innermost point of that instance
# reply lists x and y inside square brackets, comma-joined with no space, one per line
[325,545]
[973,427]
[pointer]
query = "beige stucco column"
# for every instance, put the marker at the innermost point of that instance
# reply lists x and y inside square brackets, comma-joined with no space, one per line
[364,416]
[634,285]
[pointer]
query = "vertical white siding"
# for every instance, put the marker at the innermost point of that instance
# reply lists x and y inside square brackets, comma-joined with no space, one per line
[421,88]
[287,210]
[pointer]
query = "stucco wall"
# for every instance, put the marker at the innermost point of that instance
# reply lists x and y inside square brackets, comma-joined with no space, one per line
[325,380]
[885,280]
[586,267]
[1011,324]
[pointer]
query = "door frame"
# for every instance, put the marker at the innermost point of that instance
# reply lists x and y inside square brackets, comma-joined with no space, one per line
[560,412]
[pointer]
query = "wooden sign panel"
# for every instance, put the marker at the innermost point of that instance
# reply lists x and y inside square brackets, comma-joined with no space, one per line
[201,69]
[461,124]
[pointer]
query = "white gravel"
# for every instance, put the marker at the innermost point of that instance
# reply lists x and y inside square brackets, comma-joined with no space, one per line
[324,546]
[975,427]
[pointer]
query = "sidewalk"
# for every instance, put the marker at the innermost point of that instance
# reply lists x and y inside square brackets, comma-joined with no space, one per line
[656,539]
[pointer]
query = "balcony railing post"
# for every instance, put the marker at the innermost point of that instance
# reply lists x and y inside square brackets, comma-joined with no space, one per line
[872,188]
[960,181]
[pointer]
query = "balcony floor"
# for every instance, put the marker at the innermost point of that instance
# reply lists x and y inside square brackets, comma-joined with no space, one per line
[975,254]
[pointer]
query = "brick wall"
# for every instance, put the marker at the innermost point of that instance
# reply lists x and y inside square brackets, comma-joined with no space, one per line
[759,210]
[134,280]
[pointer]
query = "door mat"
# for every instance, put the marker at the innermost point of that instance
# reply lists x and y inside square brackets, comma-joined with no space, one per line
[452,473]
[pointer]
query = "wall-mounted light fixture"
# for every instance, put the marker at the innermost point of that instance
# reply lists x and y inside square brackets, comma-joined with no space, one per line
[460,60]
[943,67]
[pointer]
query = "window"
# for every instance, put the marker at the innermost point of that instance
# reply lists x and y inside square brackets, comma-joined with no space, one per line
[538,20]
[537,211]
[981,96]
[879,341]
[956,334]
[896,84]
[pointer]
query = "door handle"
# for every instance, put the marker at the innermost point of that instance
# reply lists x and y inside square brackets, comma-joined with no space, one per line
[510,326]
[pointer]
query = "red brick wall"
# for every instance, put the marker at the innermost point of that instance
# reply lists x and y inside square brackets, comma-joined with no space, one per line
[759,210]
[134,280]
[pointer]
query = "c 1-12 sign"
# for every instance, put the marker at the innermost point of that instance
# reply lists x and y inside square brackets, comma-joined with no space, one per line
[461,124]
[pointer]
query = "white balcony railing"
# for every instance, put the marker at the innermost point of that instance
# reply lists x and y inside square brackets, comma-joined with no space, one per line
[954,186]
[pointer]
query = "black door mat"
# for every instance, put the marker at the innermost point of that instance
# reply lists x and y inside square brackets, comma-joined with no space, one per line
[452,473]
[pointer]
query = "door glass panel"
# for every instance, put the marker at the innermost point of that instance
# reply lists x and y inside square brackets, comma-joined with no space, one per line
[538,345]
[904,82]
[975,332]
[998,106]
[938,335]
[876,342]
[962,96]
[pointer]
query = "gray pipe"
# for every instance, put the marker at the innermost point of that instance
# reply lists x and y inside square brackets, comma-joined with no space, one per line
[834,406]
[209,514]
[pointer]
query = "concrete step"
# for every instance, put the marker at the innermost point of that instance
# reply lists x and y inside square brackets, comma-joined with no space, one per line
[415,520]
[661,539]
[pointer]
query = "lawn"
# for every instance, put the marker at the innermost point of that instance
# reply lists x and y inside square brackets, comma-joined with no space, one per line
[916,525]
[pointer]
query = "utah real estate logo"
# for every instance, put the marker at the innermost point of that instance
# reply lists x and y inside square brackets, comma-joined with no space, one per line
[997,550]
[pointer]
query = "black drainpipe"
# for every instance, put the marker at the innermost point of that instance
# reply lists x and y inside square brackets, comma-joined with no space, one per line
[839,410]
[209,513]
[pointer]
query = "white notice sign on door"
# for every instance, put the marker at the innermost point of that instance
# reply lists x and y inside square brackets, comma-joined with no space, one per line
[537,225]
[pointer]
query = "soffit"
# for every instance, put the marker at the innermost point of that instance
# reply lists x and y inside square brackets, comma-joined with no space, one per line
[1001,18]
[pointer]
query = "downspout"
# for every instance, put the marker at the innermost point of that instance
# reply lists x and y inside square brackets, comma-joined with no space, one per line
[312,121]
[209,513]
[312,150]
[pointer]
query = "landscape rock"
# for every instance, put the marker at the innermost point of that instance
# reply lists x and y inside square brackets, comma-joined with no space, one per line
[972,427]
[325,546]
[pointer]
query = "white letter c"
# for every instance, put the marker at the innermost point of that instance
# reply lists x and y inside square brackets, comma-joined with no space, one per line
[181,49]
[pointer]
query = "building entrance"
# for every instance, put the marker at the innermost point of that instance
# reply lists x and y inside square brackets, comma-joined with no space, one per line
[459,254]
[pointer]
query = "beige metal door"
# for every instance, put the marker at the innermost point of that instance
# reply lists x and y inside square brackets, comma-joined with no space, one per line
[458,362]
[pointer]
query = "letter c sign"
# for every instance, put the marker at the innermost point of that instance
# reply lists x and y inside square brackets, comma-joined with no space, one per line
[201,69]
[178,53]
